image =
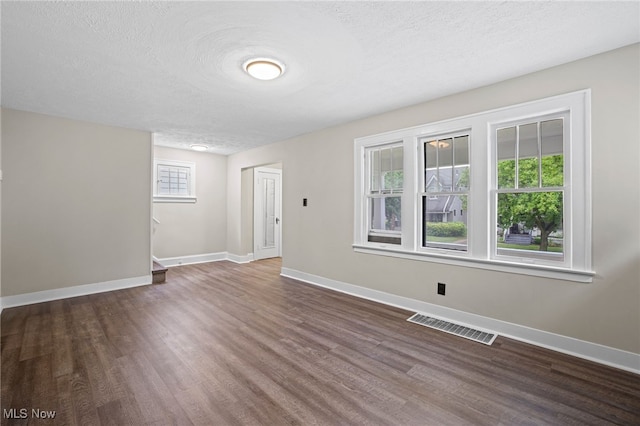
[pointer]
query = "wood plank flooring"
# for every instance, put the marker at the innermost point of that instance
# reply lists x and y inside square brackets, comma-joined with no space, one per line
[228,344]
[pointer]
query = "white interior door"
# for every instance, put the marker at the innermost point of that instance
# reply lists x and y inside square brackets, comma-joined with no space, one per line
[267,220]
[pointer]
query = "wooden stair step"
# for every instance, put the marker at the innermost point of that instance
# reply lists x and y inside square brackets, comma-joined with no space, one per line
[159,273]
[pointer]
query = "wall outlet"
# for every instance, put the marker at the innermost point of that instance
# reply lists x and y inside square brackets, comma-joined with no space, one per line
[442,287]
[304,202]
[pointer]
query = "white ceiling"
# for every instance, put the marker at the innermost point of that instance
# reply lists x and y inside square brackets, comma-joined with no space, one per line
[174,68]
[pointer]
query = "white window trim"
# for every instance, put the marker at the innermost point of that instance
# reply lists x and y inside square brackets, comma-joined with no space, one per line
[191,198]
[577,265]
[567,190]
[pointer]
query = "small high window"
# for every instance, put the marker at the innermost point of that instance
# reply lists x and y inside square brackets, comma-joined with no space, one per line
[174,181]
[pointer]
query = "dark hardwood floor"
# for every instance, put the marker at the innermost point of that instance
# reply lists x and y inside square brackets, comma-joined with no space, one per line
[222,343]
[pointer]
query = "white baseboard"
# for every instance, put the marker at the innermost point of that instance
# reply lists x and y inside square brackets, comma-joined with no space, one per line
[83,290]
[193,259]
[236,258]
[624,360]
[66,292]
[204,258]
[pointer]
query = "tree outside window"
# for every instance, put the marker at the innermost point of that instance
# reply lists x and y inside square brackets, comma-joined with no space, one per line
[530,194]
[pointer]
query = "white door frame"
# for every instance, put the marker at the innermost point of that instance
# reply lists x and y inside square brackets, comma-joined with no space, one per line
[259,250]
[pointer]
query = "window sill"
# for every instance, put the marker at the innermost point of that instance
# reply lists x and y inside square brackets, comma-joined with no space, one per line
[170,199]
[492,265]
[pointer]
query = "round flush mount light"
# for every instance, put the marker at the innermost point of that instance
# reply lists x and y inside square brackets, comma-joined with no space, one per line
[198,147]
[264,68]
[439,144]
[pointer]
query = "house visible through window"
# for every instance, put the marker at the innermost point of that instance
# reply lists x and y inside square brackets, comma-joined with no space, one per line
[506,190]
[174,181]
[446,182]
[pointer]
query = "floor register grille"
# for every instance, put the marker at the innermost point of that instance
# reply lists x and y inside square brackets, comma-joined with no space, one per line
[452,328]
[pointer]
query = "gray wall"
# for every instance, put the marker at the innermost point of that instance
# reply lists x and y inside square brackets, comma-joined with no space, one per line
[76,204]
[0,202]
[317,239]
[188,229]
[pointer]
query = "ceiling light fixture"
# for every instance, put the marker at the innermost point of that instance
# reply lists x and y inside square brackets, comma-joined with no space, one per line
[264,68]
[198,147]
[439,144]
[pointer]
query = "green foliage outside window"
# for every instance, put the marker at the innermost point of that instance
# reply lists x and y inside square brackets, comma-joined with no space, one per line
[542,210]
[446,229]
[392,205]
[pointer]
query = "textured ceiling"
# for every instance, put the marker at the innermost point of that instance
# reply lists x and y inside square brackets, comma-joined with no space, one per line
[174,68]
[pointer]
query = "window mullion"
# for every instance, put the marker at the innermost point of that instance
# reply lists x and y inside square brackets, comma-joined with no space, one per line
[409,164]
[539,128]
[517,165]
[438,166]
[453,163]
[530,190]
[479,198]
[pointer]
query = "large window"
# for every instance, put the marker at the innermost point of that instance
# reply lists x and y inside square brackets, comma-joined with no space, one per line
[507,189]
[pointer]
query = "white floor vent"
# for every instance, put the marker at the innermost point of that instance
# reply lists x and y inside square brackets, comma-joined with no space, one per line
[452,328]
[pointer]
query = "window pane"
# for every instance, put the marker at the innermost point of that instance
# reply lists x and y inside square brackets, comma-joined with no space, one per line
[385,165]
[461,150]
[398,167]
[374,158]
[386,170]
[430,153]
[386,214]
[552,154]
[531,224]
[393,177]
[432,184]
[431,166]
[461,163]
[528,156]
[445,153]
[268,224]
[461,178]
[506,151]
[445,221]
[439,171]
[173,180]
[393,180]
